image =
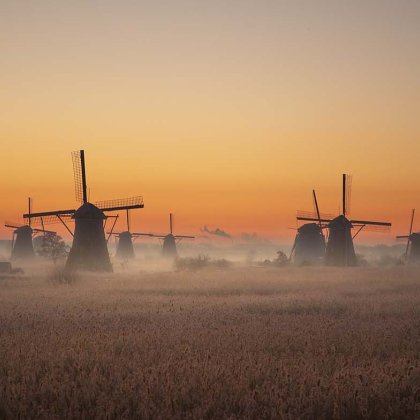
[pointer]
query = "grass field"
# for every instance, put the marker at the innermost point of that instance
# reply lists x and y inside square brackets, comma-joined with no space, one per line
[236,343]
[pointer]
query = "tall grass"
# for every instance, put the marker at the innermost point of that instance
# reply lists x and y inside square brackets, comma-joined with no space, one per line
[239,343]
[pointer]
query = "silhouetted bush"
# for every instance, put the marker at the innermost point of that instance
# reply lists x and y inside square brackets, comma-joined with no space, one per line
[200,262]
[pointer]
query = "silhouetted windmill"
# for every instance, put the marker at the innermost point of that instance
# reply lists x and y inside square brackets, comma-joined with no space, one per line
[89,249]
[170,240]
[22,245]
[412,249]
[340,248]
[125,248]
[309,245]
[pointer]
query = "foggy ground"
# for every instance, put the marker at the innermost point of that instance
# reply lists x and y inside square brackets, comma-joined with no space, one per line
[245,342]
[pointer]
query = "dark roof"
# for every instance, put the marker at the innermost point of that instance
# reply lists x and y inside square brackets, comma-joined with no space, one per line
[340,221]
[125,234]
[309,228]
[89,212]
[24,229]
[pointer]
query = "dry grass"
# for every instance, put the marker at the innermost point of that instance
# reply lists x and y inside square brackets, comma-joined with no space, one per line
[240,343]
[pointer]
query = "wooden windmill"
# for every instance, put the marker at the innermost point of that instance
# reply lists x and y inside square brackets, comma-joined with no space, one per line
[340,248]
[22,244]
[169,248]
[412,249]
[89,249]
[309,245]
[125,248]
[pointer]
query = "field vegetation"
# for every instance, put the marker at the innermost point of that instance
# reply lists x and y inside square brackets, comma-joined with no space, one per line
[254,342]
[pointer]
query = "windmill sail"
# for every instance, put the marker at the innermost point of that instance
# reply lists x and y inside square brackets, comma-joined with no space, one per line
[121,204]
[347,182]
[79,172]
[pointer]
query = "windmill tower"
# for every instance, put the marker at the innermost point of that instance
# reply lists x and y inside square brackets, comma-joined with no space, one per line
[309,245]
[169,248]
[89,249]
[125,248]
[340,248]
[22,245]
[412,250]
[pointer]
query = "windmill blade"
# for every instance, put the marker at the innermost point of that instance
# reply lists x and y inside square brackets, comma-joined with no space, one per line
[49,213]
[128,219]
[314,215]
[49,232]
[371,223]
[412,221]
[402,236]
[50,219]
[113,225]
[184,237]
[79,172]
[29,209]
[409,234]
[12,225]
[170,223]
[121,204]
[315,203]
[313,219]
[292,250]
[347,181]
[143,234]
[373,228]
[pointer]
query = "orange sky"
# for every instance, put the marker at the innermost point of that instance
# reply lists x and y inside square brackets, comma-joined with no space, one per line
[225,113]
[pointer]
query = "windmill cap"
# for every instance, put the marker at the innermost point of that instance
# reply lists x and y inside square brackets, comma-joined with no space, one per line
[340,220]
[89,212]
[309,228]
[24,229]
[125,234]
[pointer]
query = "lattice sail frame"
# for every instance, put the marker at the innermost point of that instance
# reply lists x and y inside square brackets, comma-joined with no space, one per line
[50,220]
[120,203]
[77,172]
[347,192]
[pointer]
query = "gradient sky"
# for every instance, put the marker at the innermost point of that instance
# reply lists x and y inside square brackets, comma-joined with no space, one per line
[226,113]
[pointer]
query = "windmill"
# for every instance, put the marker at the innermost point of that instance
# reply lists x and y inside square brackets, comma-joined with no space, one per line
[89,249]
[412,249]
[125,248]
[309,245]
[170,240]
[340,248]
[22,245]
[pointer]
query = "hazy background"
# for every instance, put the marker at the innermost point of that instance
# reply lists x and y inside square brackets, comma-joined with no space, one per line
[226,113]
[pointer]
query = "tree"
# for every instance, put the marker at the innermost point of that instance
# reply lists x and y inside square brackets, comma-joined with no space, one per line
[53,246]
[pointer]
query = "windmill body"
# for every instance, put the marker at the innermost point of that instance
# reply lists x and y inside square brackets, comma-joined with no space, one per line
[169,246]
[309,245]
[125,248]
[340,248]
[89,248]
[23,247]
[414,254]
[412,251]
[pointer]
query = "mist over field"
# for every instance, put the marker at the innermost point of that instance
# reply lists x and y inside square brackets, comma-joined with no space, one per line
[240,342]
